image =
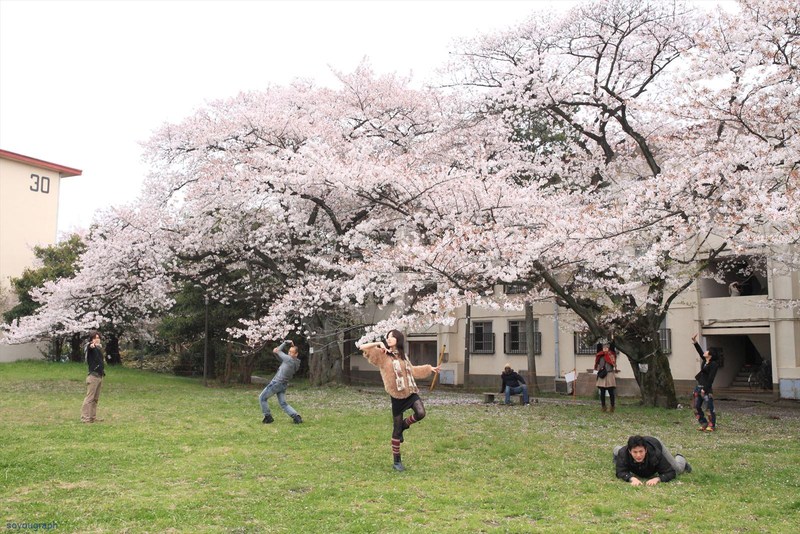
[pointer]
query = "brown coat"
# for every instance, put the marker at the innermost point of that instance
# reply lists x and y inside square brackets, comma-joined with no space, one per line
[398,375]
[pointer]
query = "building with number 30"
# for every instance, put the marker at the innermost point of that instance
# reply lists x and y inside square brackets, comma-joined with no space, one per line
[29,190]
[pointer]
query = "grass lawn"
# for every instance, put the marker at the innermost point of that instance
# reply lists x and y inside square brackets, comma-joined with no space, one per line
[174,456]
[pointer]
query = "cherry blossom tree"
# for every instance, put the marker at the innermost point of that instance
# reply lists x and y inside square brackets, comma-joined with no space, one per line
[55,262]
[603,158]
[269,185]
[253,199]
[638,142]
[119,285]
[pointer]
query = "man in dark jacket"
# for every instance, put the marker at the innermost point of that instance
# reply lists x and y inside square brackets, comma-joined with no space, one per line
[646,460]
[94,359]
[513,384]
[709,363]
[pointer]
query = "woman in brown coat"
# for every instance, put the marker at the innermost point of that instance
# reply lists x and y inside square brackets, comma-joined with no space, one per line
[398,380]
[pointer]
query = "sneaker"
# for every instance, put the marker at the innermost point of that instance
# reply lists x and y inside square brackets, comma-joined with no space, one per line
[709,429]
[687,468]
[702,428]
[398,466]
[297,419]
[268,419]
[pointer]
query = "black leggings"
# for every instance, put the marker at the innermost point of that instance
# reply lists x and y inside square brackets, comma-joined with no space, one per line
[612,393]
[401,424]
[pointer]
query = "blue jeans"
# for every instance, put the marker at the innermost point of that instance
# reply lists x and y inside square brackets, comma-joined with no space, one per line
[516,391]
[279,389]
[698,408]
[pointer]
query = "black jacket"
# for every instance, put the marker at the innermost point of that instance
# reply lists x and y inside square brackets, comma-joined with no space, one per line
[708,371]
[512,379]
[654,463]
[94,359]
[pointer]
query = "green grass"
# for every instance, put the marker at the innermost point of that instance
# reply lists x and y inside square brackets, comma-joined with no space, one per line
[174,456]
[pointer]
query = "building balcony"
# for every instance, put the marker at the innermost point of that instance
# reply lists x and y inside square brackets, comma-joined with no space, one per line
[738,313]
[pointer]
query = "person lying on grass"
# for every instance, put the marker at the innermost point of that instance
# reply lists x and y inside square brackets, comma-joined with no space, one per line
[646,460]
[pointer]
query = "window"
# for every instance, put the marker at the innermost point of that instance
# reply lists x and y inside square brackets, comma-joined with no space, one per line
[515,341]
[665,337]
[422,352]
[514,289]
[482,339]
[584,344]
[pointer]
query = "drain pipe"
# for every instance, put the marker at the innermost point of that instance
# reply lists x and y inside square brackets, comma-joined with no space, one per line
[555,337]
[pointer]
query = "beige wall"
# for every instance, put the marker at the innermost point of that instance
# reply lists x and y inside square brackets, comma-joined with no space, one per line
[28,218]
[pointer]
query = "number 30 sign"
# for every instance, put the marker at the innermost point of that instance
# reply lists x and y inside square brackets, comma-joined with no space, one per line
[40,184]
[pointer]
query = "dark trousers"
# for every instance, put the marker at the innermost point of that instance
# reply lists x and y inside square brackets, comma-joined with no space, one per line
[612,395]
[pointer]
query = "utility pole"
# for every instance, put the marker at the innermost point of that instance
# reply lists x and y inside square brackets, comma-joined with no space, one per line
[205,348]
[466,345]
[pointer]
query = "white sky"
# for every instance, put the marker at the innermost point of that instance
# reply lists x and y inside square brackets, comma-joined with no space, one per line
[82,83]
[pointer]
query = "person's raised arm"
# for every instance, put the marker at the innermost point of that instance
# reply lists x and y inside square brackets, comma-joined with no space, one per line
[280,350]
[422,371]
[374,352]
[697,346]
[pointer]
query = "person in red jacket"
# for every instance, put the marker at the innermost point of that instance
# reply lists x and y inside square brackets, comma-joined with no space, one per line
[605,363]
[398,380]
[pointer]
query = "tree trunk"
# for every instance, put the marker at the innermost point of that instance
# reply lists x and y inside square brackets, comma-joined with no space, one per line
[246,365]
[75,353]
[228,370]
[653,376]
[325,362]
[112,350]
[530,341]
[55,348]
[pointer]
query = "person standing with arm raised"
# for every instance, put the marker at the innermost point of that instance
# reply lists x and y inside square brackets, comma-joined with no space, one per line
[398,380]
[709,364]
[96,364]
[290,363]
